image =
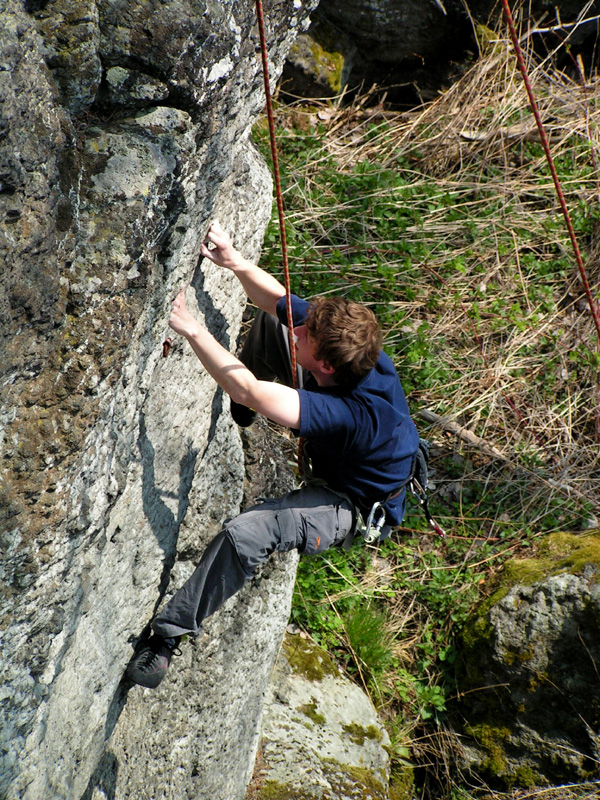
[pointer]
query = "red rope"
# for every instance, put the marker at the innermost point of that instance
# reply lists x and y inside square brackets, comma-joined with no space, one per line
[279,198]
[546,146]
[278,193]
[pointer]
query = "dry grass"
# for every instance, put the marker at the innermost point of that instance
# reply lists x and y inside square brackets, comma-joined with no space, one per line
[521,386]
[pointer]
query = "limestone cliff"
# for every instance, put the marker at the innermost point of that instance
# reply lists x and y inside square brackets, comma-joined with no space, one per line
[124,129]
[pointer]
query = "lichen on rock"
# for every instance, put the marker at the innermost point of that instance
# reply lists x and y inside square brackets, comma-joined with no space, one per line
[321,736]
[529,698]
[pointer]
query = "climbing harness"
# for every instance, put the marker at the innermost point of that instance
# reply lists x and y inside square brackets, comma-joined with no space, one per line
[373,528]
[416,483]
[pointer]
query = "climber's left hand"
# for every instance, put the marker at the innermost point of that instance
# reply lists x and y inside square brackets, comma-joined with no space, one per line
[180,319]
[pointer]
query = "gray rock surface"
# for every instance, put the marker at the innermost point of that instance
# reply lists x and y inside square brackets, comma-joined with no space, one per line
[321,736]
[124,129]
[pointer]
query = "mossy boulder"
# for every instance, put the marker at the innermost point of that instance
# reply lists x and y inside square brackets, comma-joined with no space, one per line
[313,69]
[321,736]
[528,681]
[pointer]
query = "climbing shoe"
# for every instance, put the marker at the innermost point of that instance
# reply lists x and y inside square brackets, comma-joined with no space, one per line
[150,664]
[242,415]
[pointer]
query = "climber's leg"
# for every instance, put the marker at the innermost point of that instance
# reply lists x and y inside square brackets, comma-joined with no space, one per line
[266,353]
[311,519]
[218,576]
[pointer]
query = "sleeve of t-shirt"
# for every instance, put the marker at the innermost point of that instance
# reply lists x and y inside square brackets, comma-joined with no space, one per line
[299,310]
[329,416]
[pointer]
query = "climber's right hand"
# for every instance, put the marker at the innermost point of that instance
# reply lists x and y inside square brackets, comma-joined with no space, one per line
[219,249]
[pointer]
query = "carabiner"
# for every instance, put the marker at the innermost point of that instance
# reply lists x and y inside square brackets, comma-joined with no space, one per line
[373,527]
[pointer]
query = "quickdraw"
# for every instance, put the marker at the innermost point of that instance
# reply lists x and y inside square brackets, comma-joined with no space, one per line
[371,530]
[420,493]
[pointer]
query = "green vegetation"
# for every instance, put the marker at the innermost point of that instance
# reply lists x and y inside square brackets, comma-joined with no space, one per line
[445,220]
[310,710]
[358,734]
[305,660]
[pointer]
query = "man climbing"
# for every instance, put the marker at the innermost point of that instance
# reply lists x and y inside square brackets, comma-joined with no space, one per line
[350,410]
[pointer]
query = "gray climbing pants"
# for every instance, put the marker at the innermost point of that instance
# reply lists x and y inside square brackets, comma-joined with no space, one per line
[310,520]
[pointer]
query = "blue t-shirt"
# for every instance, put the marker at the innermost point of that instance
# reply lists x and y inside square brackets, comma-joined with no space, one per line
[361,440]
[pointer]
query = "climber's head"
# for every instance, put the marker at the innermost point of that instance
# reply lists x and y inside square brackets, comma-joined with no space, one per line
[343,336]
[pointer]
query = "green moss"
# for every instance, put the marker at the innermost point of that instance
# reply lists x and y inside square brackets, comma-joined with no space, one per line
[310,710]
[487,39]
[330,65]
[273,790]
[573,552]
[477,636]
[308,659]
[478,629]
[358,733]
[527,778]
[354,782]
[526,655]
[556,553]
[402,785]
[492,741]
[366,779]
[327,65]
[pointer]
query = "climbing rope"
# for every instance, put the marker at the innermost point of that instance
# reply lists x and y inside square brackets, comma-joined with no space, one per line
[544,140]
[278,193]
[279,196]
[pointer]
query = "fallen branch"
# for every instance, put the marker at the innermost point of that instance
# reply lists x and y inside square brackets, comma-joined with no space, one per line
[524,131]
[463,433]
[470,438]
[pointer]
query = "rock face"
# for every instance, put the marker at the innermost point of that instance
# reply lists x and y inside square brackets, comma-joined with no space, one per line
[392,31]
[411,48]
[321,736]
[530,697]
[124,130]
[404,46]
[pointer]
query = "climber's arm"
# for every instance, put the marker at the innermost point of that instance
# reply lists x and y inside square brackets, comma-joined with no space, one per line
[263,289]
[277,402]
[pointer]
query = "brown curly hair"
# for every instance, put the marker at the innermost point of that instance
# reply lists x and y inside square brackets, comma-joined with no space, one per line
[347,337]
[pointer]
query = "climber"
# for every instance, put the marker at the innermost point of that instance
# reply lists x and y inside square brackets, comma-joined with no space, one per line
[350,410]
